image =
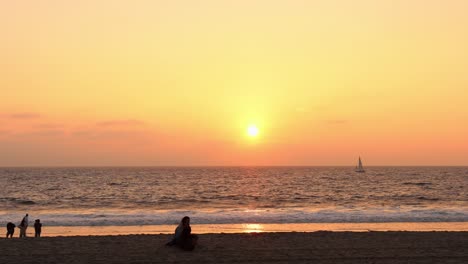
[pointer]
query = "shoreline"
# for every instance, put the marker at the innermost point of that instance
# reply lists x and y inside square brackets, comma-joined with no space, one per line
[288,247]
[66,231]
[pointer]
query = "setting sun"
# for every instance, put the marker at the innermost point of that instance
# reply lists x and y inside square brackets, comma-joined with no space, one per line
[252,131]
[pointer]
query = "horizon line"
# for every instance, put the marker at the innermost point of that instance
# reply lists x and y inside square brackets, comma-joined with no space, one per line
[213,166]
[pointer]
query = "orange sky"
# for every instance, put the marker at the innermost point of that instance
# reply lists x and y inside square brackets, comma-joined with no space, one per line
[116,82]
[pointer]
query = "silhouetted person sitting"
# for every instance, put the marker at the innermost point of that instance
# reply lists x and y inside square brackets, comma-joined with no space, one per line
[183,237]
[37,228]
[10,229]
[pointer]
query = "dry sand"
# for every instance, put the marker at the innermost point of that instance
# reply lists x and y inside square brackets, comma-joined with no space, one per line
[54,231]
[317,247]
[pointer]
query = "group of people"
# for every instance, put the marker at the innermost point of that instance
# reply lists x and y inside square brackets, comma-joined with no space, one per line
[23,226]
[183,236]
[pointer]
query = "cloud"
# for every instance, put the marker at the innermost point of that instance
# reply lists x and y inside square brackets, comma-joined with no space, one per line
[24,115]
[82,133]
[50,126]
[121,123]
[301,109]
[47,133]
[337,122]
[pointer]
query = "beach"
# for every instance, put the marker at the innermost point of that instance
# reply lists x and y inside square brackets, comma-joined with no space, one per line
[292,247]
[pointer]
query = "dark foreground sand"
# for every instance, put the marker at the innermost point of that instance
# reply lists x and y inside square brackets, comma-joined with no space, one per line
[317,247]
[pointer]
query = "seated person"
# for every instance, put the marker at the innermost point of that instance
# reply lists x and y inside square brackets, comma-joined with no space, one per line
[183,237]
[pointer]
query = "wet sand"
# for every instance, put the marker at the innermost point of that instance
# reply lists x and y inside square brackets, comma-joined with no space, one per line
[54,231]
[316,247]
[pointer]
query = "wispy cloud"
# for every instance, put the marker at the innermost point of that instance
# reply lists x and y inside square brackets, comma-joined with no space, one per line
[25,115]
[50,126]
[337,122]
[48,133]
[125,123]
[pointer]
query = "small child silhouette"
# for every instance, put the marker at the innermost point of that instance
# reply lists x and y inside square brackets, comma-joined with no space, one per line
[10,229]
[38,227]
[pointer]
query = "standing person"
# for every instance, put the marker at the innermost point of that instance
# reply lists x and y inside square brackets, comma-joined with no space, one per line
[10,229]
[24,225]
[183,236]
[37,228]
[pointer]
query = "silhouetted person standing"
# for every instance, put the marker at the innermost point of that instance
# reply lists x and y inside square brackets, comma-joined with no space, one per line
[24,226]
[10,229]
[37,228]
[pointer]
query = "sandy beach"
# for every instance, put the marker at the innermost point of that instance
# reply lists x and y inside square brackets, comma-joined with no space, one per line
[316,247]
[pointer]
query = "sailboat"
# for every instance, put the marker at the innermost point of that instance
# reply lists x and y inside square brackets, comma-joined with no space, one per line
[359,167]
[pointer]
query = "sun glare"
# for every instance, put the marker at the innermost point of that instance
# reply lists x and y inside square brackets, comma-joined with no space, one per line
[252,228]
[252,131]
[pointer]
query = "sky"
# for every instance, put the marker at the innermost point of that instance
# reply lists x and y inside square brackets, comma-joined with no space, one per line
[179,83]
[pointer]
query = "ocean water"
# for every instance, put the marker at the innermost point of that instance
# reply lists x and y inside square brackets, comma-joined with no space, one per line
[127,196]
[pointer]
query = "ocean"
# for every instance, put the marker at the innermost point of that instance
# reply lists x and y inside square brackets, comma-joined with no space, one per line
[139,196]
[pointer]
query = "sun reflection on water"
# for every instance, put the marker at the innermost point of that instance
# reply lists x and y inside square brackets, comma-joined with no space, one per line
[252,228]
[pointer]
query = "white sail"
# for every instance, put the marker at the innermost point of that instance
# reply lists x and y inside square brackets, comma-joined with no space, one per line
[360,168]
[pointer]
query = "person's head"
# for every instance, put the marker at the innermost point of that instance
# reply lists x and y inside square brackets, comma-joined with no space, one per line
[38,220]
[26,214]
[186,221]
